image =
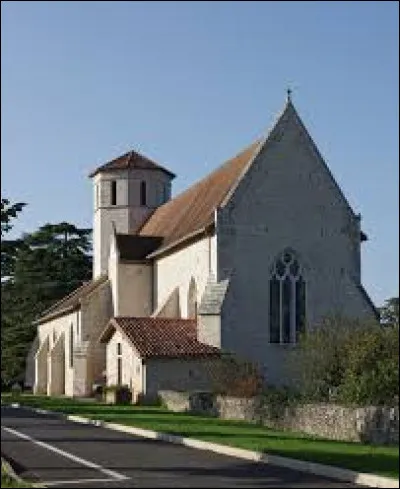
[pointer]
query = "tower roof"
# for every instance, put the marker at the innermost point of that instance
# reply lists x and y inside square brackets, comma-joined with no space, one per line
[132,159]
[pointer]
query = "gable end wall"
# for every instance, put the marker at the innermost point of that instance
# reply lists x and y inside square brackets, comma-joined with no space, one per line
[287,198]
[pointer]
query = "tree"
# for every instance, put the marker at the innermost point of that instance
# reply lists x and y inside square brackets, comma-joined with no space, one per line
[350,361]
[390,312]
[9,212]
[8,247]
[372,367]
[54,260]
[47,265]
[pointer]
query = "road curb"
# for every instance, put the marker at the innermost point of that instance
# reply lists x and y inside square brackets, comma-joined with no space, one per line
[12,475]
[10,471]
[346,475]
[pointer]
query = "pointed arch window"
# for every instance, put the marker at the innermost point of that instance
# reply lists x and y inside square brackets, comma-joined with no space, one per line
[286,299]
[143,192]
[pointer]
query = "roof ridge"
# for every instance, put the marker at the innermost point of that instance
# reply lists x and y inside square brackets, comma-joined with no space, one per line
[216,170]
[197,203]
[158,318]
[56,308]
[124,161]
[63,299]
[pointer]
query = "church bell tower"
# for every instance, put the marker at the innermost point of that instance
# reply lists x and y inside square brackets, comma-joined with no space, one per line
[126,191]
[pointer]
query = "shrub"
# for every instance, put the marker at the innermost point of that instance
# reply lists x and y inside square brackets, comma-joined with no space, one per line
[349,361]
[372,367]
[120,394]
[146,400]
[276,399]
[233,377]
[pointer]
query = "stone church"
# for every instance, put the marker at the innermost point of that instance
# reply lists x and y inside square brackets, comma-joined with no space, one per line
[241,262]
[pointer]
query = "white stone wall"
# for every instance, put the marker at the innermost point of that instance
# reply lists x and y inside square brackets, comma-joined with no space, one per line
[209,329]
[135,289]
[52,330]
[113,262]
[87,324]
[131,363]
[177,374]
[105,214]
[155,181]
[40,380]
[56,365]
[30,363]
[131,285]
[96,310]
[127,214]
[170,307]
[197,260]
[286,199]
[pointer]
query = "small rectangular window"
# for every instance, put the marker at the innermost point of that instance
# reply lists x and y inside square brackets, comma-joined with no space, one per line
[113,192]
[143,196]
[98,195]
[119,349]
[119,371]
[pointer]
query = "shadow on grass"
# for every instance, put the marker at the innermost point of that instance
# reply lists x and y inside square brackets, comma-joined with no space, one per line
[364,458]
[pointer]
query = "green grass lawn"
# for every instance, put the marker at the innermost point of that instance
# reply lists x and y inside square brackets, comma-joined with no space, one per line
[382,460]
[8,482]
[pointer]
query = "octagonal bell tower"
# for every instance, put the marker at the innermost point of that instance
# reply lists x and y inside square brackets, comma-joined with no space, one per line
[126,191]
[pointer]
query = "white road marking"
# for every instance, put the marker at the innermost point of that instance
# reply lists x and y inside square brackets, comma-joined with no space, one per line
[77,481]
[82,461]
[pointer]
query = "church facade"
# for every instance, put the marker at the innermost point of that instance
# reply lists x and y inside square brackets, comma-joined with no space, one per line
[241,262]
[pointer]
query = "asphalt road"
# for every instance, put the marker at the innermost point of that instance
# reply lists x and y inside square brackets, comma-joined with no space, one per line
[60,453]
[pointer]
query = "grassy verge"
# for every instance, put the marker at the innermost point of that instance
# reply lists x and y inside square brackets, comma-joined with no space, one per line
[381,460]
[9,482]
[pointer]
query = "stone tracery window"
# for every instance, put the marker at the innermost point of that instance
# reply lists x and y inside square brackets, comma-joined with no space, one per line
[286,299]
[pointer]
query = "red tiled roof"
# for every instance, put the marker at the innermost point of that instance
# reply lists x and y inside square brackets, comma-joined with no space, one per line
[193,209]
[132,159]
[160,337]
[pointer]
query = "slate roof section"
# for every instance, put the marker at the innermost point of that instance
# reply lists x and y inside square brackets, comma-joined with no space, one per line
[160,337]
[72,301]
[132,159]
[213,297]
[193,210]
[134,247]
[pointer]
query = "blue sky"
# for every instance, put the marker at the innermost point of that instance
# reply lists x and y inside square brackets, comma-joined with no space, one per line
[191,83]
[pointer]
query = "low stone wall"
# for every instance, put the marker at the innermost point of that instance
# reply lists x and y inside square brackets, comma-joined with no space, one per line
[176,401]
[378,425]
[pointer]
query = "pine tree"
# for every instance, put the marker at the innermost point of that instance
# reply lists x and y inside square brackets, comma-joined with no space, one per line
[38,270]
